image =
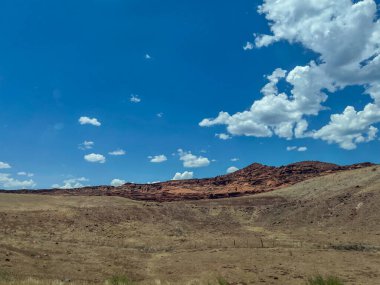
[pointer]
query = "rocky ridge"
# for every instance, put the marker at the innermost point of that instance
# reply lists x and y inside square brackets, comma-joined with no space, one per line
[255,178]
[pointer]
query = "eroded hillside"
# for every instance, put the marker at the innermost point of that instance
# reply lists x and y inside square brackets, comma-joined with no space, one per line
[256,178]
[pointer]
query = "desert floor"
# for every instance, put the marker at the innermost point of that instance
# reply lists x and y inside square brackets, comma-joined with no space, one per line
[328,225]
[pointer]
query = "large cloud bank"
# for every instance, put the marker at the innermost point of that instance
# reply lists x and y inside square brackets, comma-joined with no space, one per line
[345,37]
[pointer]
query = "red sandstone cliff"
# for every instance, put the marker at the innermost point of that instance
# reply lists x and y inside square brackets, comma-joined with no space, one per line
[252,179]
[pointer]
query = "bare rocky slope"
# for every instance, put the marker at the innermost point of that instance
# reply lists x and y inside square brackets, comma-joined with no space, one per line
[256,178]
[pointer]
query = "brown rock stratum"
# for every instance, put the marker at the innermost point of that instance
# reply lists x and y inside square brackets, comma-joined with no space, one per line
[253,179]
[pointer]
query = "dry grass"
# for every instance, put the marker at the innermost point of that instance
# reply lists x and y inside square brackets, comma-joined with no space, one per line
[33,281]
[115,280]
[320,280]
[279,238]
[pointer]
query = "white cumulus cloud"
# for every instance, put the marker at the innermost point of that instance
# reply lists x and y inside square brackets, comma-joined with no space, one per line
[232,169]
[345,37]
[7,181]
[192,161]
[4,165]
[71,183]
[183,176]
[89,121]
[351,127]
[117,182]
[94,157]
[158,158]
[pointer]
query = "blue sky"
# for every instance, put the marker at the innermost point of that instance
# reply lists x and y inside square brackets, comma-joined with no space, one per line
[184,62]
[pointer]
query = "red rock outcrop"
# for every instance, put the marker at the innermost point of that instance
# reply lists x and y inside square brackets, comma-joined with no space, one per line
[255,178]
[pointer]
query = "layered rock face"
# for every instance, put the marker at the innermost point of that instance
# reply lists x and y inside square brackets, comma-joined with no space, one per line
[255,178]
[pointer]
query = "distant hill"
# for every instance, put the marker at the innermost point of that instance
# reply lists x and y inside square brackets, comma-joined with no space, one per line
[255,178]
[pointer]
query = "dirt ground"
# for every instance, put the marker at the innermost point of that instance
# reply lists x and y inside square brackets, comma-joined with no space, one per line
[328,225]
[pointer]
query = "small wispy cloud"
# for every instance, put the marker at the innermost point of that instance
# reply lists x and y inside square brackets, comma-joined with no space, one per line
[248,46]
[117,152]
[223,136]
[23,173]
[135,98]
[234,159]
[148,56]
[71,183]
[158,158]
[160,115]
[296,148]
[290,148]
[86,145]
[89,121]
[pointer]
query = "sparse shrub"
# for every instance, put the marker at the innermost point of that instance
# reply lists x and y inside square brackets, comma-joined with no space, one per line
[319,280]
[222,281]
[353,247]
[119,280]
[4,276]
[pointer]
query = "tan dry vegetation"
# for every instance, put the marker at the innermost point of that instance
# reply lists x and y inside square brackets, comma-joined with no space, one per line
[328,225]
